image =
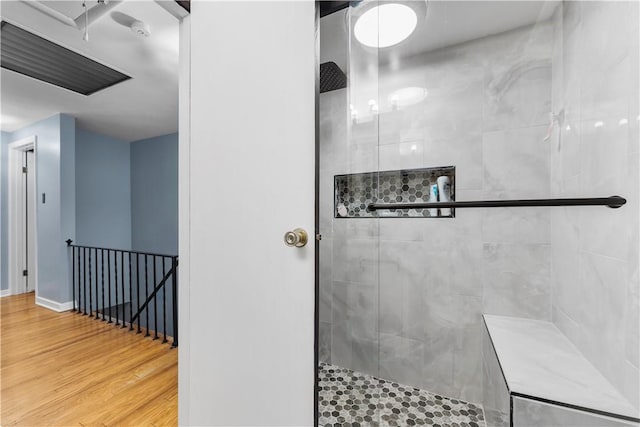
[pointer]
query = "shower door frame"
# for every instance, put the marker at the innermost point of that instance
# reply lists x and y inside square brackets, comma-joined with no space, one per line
[316,218]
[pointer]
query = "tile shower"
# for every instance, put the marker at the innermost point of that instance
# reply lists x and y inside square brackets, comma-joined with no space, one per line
[402,299]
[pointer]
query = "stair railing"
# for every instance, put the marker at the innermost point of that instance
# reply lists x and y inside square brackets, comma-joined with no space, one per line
[133,289]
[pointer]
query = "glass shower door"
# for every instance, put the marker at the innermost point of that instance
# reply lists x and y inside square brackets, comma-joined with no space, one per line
[349,249]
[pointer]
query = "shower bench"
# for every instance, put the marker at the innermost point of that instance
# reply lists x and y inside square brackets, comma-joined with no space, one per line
[534,376]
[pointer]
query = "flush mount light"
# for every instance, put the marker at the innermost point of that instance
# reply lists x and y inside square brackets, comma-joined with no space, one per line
[385,25]
[407,96]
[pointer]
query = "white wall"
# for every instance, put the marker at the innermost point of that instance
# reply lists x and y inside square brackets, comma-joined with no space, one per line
[250,175]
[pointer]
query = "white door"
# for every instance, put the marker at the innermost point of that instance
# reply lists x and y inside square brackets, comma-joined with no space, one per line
[31,221]
[247,322]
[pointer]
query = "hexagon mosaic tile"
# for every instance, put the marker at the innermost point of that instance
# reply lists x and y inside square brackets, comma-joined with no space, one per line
[354,192]
[350,399]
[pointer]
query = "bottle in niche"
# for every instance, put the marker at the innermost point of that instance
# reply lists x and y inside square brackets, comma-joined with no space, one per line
[444,193]
[433,198]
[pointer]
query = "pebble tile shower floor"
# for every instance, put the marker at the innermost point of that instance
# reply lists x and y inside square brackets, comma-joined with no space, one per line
[349,398]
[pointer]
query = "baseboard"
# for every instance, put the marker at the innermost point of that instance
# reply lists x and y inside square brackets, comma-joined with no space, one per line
[5,293]
[55,306]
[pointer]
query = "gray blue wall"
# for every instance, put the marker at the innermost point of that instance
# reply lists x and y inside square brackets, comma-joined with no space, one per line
[100,191]
[154,194]
[103,191]
[55,167]
[4,280]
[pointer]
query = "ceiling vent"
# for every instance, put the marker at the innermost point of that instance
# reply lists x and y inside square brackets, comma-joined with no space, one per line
[34,56]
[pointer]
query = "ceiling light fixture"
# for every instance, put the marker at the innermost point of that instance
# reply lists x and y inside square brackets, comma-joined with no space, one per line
[385,25]
[407,96]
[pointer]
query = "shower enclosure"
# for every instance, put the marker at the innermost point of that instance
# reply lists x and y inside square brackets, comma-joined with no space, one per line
[497,313]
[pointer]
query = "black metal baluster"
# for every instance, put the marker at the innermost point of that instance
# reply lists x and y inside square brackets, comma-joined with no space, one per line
[155,299]
[130,297]
[115,273]
[124,324]
[79,292]
[102,272]
[146,292]
[73,273]
[95,253]
[90,285]
[174,287]
[109,282]
[138,288]
[164,302]
[84,279]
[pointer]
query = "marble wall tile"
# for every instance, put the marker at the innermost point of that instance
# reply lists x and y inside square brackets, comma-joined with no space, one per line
[463,151]
[362,157]
[326,201]
[606,30]
[570,157]
[354,328]
[324,342]
[632,339]
[516,163]
[572,52]
[631,385]
[605,231]
[362,228]
[437,365]
[400,359]
[516,280]
[603,156]
[495,395]
[565,261]
[341,344]
[601,314]
[516,225]
[557,68]
[404,155]
[355,260]
[403,278]
[528,412]
[594,253]
[333,131]
[365,356]
[404,229]
[570,328]
[518,81]
[401,125]
[467,365]
[325,279]
[455,271]
[363,312]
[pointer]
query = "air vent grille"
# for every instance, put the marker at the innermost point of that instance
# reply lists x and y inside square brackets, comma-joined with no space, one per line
[39,58]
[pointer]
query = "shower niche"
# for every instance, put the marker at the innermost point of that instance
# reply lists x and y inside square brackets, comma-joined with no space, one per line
[353,193]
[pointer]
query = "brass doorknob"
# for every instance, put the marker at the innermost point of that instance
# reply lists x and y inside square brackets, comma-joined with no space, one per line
[297,238]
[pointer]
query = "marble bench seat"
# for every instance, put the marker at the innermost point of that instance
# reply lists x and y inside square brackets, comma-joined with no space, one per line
[547,378]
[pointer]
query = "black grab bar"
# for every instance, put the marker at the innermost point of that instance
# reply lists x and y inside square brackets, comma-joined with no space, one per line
[612,202]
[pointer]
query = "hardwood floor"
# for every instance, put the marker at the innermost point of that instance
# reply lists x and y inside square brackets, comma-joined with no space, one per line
[64,369]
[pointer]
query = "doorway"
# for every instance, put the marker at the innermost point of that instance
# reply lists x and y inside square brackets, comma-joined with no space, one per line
[23,248]
[28,220]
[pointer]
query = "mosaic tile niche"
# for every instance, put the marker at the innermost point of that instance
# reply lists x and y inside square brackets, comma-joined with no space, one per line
[354,192]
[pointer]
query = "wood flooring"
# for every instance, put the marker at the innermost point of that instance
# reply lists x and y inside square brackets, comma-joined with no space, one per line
[64,369]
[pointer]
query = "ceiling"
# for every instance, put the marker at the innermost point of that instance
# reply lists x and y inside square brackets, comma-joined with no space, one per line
[142,107]
[446,23]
